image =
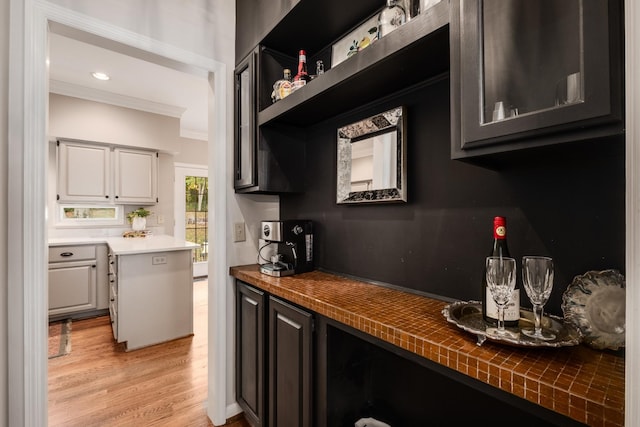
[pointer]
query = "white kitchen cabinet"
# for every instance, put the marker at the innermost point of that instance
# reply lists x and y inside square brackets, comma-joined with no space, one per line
[77,279]
[136,176]
[96,173]
[83,172]
[151,297]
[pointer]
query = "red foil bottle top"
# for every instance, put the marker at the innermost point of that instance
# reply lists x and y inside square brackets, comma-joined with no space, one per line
[499,227]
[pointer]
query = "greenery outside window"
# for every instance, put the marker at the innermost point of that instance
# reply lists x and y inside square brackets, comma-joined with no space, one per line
[90,215]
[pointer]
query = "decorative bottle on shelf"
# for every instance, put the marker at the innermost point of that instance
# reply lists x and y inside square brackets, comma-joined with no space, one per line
[302,77]
[489,307]
[390,18]
[283,87]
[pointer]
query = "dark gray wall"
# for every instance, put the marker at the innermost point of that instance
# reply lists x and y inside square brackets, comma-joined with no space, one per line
[566,202]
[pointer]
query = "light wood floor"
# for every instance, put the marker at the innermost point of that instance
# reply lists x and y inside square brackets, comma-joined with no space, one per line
[99,384]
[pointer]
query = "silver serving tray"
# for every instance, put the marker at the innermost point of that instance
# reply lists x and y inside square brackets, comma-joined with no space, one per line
[468,316]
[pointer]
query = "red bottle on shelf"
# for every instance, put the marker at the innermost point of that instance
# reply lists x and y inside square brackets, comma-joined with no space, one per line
[302,75]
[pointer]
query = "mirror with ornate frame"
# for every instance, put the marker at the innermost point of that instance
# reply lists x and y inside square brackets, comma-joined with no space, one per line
[372,159]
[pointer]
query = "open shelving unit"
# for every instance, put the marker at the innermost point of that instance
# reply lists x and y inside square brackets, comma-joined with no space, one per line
[412,53]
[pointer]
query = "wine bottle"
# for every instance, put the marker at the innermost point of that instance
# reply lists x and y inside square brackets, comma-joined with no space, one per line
[302,75]
[390,18]
[489,307]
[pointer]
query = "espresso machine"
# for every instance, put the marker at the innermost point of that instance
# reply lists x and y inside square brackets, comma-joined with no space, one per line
[291,244]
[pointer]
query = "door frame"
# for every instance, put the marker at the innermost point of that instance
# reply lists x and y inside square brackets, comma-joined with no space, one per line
[183,170]
[27,305]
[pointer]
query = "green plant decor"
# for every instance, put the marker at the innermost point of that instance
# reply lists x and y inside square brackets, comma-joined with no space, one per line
[140,212]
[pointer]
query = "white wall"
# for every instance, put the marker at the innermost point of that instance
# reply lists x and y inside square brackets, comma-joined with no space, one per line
[94,121]
[4,73]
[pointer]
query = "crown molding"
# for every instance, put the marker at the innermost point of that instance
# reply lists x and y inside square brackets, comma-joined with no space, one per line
[194,134]
[91,94]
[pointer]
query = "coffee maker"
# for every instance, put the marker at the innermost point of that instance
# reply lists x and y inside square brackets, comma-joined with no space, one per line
[293,241]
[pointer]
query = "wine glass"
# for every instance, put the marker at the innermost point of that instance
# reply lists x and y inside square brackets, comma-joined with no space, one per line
[537,277]
[501,280]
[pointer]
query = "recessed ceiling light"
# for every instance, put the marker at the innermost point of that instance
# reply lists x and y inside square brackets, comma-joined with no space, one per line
[100,76]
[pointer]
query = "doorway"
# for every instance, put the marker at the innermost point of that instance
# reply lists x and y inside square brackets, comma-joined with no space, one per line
[27,184]
[191,204]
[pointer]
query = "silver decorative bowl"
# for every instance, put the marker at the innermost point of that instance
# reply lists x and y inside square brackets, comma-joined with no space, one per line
[595,303]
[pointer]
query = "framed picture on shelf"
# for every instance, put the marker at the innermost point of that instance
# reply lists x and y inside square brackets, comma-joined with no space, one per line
[355,41]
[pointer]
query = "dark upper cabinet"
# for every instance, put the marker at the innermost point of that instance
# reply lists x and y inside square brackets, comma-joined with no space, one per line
[244,126]
[254,20]
[531,73]
[267,159]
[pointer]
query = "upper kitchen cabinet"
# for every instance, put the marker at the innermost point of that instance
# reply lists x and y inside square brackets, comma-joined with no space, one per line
[83,172]
[136,176]
[244,128]
[254,19]
[267,160]
[533,73]
[98,173]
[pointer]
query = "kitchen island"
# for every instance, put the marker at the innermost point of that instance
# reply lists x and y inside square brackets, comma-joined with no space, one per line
[149,287]
[580,383]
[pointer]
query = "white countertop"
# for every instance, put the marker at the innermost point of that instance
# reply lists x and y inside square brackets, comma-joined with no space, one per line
[130,245]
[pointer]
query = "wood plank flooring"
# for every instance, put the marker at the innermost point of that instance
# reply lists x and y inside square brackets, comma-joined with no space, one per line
[99,384]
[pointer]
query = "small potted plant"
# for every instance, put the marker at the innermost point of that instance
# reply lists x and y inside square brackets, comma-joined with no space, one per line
[138,218]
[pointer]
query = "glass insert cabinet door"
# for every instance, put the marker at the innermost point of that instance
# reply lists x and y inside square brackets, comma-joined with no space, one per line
[533,66]
[244,123]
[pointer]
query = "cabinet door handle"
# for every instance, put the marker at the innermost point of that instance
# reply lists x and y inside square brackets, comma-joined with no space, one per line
[113,299]
[65,254]
[93,266]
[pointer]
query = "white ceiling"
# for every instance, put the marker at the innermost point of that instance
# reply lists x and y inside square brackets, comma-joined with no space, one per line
[134,83]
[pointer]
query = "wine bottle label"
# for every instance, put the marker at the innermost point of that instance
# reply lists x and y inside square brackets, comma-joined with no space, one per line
[512,310]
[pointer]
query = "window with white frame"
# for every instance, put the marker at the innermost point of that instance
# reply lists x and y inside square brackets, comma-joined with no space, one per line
[89,215]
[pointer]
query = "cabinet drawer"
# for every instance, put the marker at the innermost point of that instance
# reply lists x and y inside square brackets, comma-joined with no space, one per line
[71,253]
[113,314]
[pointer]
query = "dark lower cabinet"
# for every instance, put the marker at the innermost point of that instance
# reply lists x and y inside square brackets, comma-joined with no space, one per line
[283,396]
[250,354]
[290,342]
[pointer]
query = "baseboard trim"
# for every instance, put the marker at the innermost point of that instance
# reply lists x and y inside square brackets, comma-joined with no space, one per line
[233,410]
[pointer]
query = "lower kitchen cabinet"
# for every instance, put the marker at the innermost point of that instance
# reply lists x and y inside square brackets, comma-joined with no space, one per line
[250,354]
[290,344]
[283,397]
[77,280]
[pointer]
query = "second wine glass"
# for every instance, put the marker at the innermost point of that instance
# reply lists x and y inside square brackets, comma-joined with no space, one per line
[501,280]
[537,277]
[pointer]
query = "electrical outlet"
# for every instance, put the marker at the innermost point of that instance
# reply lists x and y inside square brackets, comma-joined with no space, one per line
[160,219]
[158,259]
[238,232]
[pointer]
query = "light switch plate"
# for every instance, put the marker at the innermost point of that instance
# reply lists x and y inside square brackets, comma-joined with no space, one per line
[238,232]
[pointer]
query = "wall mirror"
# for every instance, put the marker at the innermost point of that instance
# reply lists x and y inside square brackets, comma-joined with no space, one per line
[372,159]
